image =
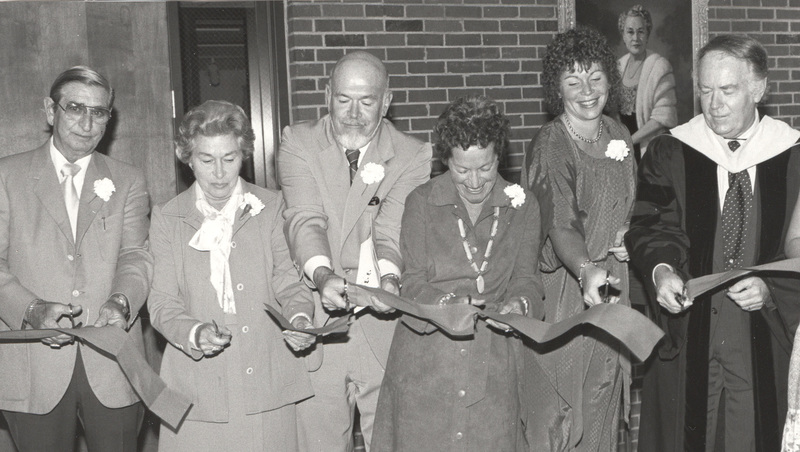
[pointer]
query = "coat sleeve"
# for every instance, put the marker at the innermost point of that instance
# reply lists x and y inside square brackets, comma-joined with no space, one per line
[134,263]
[167,306]
[387,223]
[306,223]
[657,232]
[292,295]
[14,297]
[525,279]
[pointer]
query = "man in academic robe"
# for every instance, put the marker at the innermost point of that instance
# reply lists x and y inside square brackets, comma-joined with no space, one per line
[345,178]
[715,194]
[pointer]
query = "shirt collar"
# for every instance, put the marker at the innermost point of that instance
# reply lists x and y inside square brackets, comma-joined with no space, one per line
[59,161]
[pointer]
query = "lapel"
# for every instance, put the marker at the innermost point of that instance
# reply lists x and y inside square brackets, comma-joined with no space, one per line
[702,205]
[771,182]
[335,171]
[48,190]
[242,218]
[186,208]
[90,203]
[359,194]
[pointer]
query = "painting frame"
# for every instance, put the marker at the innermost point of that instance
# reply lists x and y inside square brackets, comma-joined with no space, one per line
[566,15]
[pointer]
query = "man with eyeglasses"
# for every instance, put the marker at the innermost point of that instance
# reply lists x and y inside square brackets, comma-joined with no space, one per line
[73,251]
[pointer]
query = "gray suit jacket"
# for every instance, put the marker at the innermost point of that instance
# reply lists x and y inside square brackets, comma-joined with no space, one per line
[327,216]
[40,259]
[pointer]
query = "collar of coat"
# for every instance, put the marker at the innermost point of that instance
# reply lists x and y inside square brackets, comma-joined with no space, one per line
[770,138]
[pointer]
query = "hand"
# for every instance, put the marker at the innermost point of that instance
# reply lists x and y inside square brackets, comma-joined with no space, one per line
[671,291]
[112,313]
[390,284]
[332,289]
[749,293]
[513,305]
[212,339]
[297,340]
[449,299]
[594,278]
[45,315]
[618,250]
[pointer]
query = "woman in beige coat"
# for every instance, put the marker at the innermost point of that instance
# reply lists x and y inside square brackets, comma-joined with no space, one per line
[220,254]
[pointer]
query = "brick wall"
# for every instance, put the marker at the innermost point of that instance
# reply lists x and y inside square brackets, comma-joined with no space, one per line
[435,53]
[776,24]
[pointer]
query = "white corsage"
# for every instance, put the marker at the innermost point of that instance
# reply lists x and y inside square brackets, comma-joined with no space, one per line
[251,204]
[517,195]
[103,188]
[372,173]
[617,150]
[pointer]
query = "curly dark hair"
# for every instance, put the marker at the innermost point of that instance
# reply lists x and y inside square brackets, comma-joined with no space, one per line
[468,121]
[584,46]
[213,118]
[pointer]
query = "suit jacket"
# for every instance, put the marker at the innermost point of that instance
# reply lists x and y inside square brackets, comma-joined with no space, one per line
[675,222]
[182,296]
[327,216]
[40,259]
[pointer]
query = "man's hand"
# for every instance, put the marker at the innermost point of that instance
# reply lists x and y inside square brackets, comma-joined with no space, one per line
[671,291]
[514,305]
[749,293]
[43,314]
[112,313]
[211,339]
[297,340]
[331,288]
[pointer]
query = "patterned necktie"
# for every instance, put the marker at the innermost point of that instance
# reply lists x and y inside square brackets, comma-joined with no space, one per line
[71,199]
[734,145]
[738,201]
[352,159]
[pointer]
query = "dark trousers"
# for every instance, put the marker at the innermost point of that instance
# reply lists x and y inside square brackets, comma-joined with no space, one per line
[105,429]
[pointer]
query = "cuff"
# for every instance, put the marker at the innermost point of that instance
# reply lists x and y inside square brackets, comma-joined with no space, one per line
[653,275]
[385,266]
[313,262]
[301,314]
[192,333]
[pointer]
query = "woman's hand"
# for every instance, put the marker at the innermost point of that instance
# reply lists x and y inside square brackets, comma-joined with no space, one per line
[594,280]
[618,250]
[514,305]
[212,339]
[297,340]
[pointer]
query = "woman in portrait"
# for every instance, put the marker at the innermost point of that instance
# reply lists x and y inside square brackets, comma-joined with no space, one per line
[648,105]
[220,254]
[580,169]
[468,236]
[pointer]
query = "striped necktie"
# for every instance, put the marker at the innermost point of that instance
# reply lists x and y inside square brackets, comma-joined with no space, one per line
[352,159]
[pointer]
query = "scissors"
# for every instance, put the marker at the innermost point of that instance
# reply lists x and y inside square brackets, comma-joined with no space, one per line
[604,293]
[71,316]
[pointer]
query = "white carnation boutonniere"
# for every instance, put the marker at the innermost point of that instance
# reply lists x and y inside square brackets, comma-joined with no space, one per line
[516,194]
[251,204]
[372,173]
[103,188]
[617,150]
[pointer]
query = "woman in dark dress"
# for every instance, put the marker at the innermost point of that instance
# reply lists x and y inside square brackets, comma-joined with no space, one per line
[467,236]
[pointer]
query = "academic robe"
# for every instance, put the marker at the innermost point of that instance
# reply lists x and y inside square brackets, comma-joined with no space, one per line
[674,222]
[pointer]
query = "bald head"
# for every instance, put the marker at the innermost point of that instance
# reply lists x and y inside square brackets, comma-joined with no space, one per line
[360,62]
[358,97]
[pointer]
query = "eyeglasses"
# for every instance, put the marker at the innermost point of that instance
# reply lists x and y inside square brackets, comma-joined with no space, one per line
[76,111]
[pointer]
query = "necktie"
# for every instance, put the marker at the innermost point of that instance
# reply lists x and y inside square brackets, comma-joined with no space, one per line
[738,200]
[71,199]
[734,145]
[352,159]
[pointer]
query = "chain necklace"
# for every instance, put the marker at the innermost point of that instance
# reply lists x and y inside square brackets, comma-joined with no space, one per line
[592,141]
[482,269]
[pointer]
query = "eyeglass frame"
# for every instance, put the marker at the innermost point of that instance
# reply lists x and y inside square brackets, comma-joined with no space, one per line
[85,109]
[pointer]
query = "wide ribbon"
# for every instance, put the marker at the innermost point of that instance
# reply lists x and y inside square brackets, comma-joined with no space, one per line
[627,325]
[698,286]
[165,403]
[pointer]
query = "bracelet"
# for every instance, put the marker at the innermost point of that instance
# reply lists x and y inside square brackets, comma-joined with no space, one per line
[394,277]
[444,299]
[580,271]
[525,304]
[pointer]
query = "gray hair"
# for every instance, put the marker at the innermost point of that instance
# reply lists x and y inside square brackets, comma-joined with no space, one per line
[80,74]
[742,47]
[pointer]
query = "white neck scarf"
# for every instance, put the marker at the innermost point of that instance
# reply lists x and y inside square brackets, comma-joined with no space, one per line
[215,235]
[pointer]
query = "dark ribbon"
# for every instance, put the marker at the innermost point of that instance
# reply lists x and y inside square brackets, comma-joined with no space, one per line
[703,284]
[165,403]
[627,325]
